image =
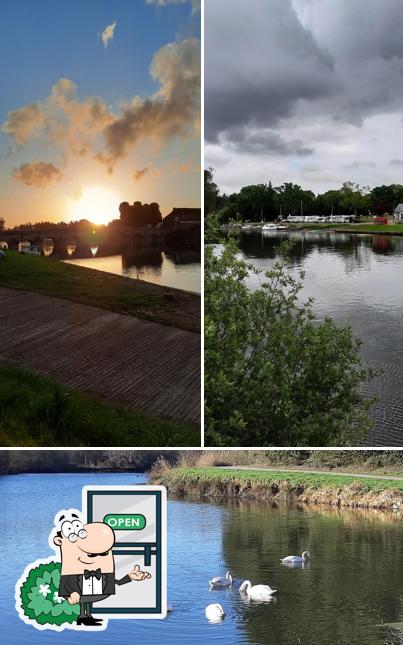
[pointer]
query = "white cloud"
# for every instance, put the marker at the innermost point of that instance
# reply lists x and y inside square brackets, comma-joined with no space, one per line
[108,33]
[163,3]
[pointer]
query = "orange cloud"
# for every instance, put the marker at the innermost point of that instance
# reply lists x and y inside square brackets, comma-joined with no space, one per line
[24,124]
[172,111]
[88,127]
[38,174]
[139,174]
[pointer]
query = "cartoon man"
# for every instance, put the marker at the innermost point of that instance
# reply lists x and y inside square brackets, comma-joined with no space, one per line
[88,568]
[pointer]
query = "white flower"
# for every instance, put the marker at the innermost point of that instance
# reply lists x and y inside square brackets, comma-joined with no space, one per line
[57,598]
[44,590]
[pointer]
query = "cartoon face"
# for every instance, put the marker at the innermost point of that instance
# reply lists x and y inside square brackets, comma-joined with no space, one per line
[87,546]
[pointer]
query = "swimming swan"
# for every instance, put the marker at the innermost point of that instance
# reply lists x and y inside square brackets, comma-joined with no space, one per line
[218,581]
[256,592]
[296,559]
[215,612]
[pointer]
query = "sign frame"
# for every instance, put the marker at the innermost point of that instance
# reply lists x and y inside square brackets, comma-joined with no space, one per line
[157,549]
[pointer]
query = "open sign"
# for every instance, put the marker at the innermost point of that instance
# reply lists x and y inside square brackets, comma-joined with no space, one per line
[119,522]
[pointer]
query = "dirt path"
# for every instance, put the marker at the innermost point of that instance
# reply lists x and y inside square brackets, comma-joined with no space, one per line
[141,365]
[315,472]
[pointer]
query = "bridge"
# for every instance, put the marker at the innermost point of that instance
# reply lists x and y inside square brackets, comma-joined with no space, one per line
[76,240]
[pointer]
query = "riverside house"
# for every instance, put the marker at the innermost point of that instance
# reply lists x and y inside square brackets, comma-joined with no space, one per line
[398,213]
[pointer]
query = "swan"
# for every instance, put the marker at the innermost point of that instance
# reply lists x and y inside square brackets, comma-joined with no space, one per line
[218,581]
[256,592]
[296,559]
[215,612]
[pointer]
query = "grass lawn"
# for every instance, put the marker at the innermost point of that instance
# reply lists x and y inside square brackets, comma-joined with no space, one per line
[100,289]
[358,228]
[197,477]
[37,411]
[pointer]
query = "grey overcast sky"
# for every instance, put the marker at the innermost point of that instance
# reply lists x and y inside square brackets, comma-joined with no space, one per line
[308,91]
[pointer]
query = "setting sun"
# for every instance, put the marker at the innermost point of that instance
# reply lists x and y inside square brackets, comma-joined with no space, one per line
[99,205]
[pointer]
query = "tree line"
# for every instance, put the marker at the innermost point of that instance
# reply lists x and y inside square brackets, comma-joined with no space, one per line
[136,214]
[268,202]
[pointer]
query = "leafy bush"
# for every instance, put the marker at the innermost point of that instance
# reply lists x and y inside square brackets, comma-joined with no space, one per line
[274,375]
[40,600]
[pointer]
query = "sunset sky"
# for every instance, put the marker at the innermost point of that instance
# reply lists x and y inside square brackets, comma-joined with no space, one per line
[99,104]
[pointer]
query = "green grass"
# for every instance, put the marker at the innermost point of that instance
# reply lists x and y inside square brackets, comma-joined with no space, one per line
[357,228]
[37,411]
[197,477]
[119,294]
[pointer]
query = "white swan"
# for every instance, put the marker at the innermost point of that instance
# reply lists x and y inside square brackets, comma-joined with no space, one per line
[256,592]
[218,581]
[296,559]
[215,612]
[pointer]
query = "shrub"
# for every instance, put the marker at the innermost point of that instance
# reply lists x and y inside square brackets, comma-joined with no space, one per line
[274,375]
[40,600]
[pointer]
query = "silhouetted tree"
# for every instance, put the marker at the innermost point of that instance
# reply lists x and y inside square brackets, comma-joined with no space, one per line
[140,214]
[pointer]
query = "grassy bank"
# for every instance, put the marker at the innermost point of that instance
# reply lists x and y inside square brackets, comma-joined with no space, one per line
[389,229]
[377,462]
[317,488]
[90,287]
[37,411]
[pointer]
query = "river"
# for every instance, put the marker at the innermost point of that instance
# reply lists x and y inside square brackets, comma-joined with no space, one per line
[357,280]
[180,269]
[352,586]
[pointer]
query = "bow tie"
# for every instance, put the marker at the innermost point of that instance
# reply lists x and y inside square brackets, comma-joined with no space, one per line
[92,574]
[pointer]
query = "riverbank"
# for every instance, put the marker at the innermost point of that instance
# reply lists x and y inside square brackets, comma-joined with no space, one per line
[16,462]
[38,411]
[314,488]
[362,229]
[122,295]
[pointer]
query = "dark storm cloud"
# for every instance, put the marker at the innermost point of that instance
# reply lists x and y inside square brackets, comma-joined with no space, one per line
[365,40]
[264,142]
[303,71]
[259,62]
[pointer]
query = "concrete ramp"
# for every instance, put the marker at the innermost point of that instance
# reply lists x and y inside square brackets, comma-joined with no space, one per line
[138,364]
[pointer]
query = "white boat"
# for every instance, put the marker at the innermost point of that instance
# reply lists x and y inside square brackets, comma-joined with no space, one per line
[269,226]
[32,249]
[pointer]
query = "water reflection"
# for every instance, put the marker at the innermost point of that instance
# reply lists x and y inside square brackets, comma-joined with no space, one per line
[48,246]
[179,269]
[351,587]
[356,280]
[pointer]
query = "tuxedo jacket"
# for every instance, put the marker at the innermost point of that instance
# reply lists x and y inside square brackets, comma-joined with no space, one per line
[74,582]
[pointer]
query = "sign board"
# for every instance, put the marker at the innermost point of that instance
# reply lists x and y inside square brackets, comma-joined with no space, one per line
[137,514]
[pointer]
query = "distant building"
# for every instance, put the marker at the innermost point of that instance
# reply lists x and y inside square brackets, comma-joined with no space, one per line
[398,213]
[180,217]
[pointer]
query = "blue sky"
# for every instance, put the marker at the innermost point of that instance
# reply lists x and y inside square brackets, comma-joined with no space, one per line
[43,41]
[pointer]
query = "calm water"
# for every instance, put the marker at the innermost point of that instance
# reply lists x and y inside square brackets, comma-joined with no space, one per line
[353,585]
[356,279]
[180,270]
